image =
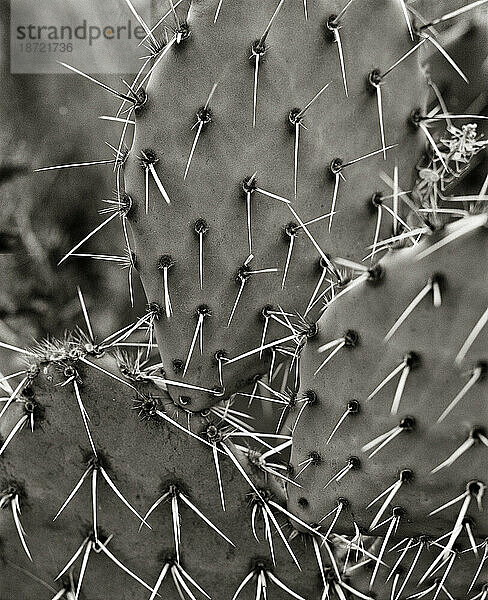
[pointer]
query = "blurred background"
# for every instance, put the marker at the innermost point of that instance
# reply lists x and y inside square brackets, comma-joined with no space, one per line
[52,119]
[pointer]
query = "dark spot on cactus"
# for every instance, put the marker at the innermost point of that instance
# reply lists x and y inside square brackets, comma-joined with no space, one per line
[218,391]
[259,563]
[413,360]
[292,401]
[417,26]
[167,557]
[415,118]
[148,158]
[335,166]
[220,355]
[345,503]
[12,487]
[354,462]
[406,476]
[243,274]
[483,366]
[469,521]
[249,184]
[315,458]
[258,48]
[322,263]
[203,311]
[201,226]
[178,366]
[310,397]
[96,461]
[303,502]
[254,379]
[294,118]
[146,407]
[374,79]
[440,280]
[165,262]
[312,330]
[204,115]
[331,24]
[35,410]
[88,534]
[155,309]
[126,205]
[28,392]
[290,470]
[398,511]
[213,433]
[353,407]
[408,423]
[376,200]
[351,339]
[263,495]
[376,274]
[182,33]
[400,570]
[184,400]
[70,372]
[476,432]
[141,99]
[266,311]
[173,487]
[290,230]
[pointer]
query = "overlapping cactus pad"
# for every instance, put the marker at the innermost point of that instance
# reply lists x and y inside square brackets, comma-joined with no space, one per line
[247,131]
[398,435]
[108,456]
[301,411]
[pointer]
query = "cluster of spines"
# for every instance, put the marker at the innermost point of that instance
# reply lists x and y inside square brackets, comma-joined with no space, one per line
[166,262]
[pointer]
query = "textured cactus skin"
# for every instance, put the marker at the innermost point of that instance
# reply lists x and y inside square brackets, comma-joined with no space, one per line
[142,457]
[456,583]
[301,59]
[436,334]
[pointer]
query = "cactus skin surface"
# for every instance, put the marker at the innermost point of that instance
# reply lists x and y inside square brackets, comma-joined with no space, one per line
[300,59]
[170,438]
[436,367]
[44,465]
[143,455]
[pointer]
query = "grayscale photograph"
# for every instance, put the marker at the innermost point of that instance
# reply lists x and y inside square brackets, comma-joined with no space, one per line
[244,300]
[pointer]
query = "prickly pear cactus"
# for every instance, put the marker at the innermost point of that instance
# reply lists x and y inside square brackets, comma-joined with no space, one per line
[315,424]
[89,511]
[224,177]
[396,443]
